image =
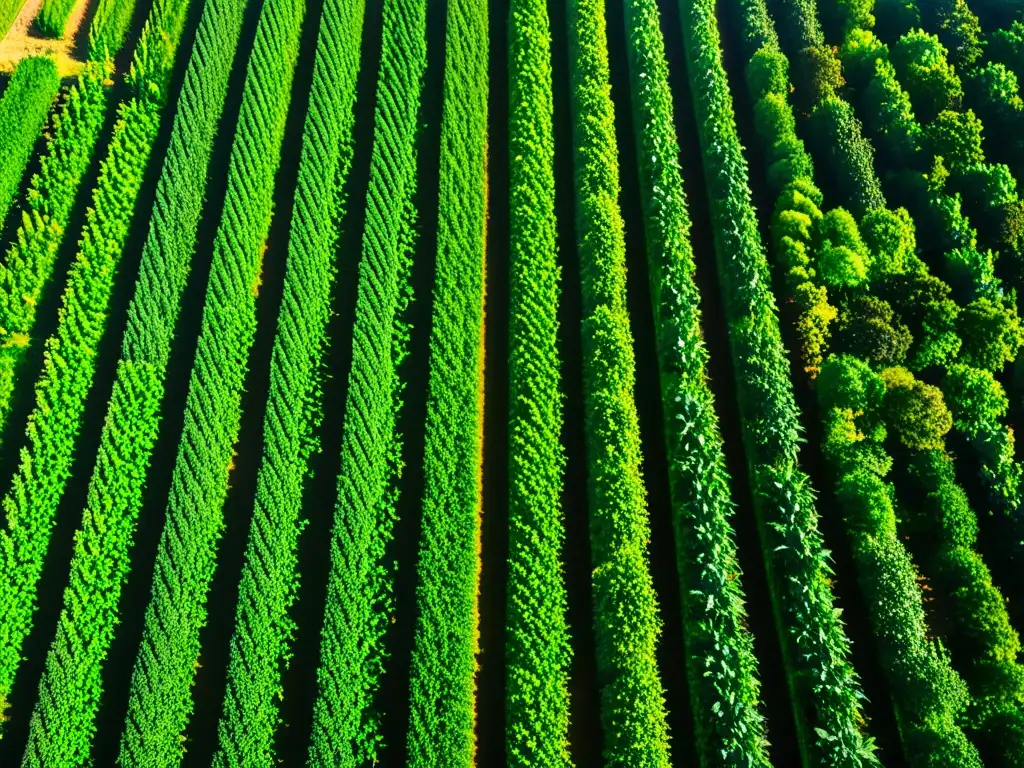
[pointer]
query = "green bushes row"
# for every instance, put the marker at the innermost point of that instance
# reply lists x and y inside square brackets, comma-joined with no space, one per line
[69,364]
[160,697]
[930,698]
[51,195]
[64,719]
[23,110]
[262,638]
[442,709]
[69,357]
[626,615]
[52,18]
[537,649]
[721,667]
[826,692]
[360,605]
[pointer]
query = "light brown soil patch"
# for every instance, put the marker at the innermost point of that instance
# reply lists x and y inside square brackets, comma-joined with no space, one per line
[24,40]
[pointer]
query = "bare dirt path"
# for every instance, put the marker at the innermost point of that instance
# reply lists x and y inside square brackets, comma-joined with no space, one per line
[24,40]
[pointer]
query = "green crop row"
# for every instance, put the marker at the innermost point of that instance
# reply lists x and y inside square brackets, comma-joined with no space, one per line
[70,354]
[261,641]
[360,605]
[23,110]
[721,667]
[827,695]
[64,719]
[69,365]
[537,652]
[160,698]
[443,667]
[626,615]
[44,218]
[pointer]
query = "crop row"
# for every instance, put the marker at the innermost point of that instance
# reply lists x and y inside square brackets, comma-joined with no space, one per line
[626,614]
[442,685]
[44,220]
[360,605]
[537,649]
[64,719]
[23,110]
[160,699]
[825,690]
[9,10]
[261,640]
[69,361]
[721,667]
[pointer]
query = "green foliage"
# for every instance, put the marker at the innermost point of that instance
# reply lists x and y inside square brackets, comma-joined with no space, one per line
[819,73]
[975,398]
[890,117]
[956,138]
[914,410]
[721,667]
[9,10]
[992,333]
[859,53]
[160,698]
[891,241]
[929,696]
[24,106]
[262,640]
[64,718]
[843,259]
[841,16]
[815,646]
[958,28]
[359,603]
[109,27]
[924,71]
[69,364]
[52,18]
[869,329]
[626,616]
[443,657]
[838,137]
[767,72]
[994,92]
[894,17]
[1006,46]
[537,649]
[26,272]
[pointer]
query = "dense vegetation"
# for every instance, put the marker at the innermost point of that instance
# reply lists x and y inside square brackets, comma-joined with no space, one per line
[463,538]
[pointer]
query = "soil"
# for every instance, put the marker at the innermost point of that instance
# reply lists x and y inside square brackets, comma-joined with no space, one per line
[24,40]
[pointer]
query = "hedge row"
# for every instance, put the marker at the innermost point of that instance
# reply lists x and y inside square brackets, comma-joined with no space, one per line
[262,638]
[70,354]
[109,27]
[626,615]
[442,711]
[537,649]
[160,697]
[721,667]
[23,110]
[360,605]
[26,272]
[64,719]
[930,698]
[825,690]
[9,10]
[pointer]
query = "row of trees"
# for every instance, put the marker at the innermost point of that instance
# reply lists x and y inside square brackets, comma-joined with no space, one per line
[64,719]
[826,693]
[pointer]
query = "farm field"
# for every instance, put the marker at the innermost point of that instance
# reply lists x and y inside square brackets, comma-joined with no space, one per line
[528,383]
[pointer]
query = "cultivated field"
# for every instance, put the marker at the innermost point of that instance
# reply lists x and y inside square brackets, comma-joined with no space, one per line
[529,383]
